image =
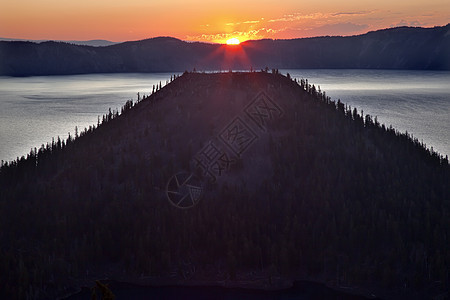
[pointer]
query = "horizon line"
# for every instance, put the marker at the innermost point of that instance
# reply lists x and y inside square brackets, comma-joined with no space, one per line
[71,41]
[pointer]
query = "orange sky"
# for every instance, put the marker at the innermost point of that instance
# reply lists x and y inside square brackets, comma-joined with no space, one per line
[211,21]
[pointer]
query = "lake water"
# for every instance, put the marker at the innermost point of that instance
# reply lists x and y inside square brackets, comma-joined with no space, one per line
[413,101]
[35,109]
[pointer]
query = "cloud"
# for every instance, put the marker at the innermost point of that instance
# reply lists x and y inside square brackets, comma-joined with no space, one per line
[253,34]
[337,29]
[239,23]
[414,23]
[316,16]
[298,16]
[293,25]
[353,13]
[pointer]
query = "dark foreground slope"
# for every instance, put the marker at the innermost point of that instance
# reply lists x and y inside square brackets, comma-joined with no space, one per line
[395,48]
[304,188]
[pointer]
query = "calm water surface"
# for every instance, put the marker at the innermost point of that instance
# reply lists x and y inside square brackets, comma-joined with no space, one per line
[413,101]
[35,109]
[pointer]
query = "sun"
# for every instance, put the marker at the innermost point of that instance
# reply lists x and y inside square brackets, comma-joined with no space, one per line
[233,41]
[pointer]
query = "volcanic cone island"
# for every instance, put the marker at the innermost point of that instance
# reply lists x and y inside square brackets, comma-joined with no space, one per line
[228,177]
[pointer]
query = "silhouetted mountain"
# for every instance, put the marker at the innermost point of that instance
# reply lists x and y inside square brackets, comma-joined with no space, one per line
[286,183]
[94,43]
[397,48]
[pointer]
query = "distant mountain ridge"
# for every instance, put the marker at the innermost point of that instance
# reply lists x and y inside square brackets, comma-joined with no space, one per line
[396,48]
[94,43]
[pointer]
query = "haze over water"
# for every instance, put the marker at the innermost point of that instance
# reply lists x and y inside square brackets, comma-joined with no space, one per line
[35,109]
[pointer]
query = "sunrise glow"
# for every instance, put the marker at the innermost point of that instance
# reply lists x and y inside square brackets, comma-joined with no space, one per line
[212,22]
[233,41]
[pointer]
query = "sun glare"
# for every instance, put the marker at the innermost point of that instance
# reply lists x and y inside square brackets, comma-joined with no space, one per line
[233,41]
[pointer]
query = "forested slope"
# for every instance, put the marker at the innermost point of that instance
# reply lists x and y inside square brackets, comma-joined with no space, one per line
[298,186]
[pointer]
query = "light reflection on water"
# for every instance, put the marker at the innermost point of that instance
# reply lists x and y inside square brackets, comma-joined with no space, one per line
[35,109]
